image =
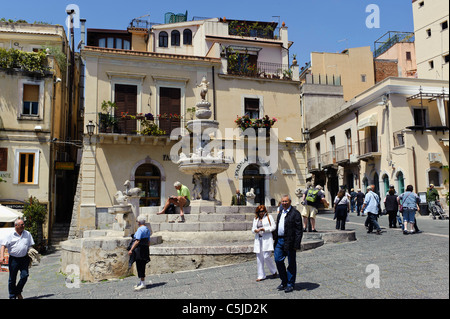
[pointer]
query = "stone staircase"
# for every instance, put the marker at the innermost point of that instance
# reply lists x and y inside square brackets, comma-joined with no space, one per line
[211,236]
[60,232]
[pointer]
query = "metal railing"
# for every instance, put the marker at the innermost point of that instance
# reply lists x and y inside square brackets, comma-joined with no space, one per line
[261,70]
[369,145]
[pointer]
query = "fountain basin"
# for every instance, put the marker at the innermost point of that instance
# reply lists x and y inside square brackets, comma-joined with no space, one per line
[202,168]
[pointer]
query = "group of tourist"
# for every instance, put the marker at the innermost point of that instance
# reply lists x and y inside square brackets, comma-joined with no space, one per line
[282,237]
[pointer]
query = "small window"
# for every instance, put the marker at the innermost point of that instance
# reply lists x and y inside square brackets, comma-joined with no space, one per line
[428,32]
[175,38]
[118,43]
[102,43]
[126,45]
[30,100]
[408,56]
[110,43]
[421,4]
[434,177]
[163,39]
[446,58]
[363,78]
[251,107]
[187,36]
[444,25]
[26,168]
[431,64]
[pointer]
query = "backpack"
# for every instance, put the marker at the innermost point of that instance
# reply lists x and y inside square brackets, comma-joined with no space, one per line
[311,195]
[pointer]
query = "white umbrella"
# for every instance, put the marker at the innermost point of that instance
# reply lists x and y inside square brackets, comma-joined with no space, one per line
[8,215]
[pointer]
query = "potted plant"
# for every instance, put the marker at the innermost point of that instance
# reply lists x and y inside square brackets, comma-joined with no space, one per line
[107,120]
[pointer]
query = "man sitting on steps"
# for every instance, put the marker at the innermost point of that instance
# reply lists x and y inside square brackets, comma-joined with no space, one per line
[182,200]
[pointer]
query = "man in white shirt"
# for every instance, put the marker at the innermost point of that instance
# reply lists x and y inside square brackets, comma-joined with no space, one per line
[18,243]
[287,239]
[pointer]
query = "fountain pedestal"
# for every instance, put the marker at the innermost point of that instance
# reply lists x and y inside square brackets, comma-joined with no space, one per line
[202,164]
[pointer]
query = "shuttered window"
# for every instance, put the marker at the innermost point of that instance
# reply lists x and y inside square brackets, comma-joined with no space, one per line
[169,108]
[126,101]
[30,99]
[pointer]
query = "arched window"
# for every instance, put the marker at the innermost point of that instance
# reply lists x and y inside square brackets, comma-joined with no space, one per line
[253,179]
[434,177]
[148,179]
[175,38]
[187,36]
[163,39]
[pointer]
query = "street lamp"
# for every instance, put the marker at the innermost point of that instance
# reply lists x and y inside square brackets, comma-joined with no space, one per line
[90,130]
[306,135]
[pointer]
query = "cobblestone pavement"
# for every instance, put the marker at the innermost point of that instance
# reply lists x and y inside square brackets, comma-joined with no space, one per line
[409,266]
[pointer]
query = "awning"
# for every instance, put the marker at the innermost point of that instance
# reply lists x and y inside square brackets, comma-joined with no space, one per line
[371,120]
[9,215]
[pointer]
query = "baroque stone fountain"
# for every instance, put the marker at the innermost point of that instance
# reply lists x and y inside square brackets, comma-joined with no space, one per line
[206,161]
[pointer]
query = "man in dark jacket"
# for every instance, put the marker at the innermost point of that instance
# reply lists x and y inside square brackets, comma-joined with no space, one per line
[287,238]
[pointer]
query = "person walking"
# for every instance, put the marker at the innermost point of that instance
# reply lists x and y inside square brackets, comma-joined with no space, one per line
[359,201]
[391,205]
[263,226]
[371,207]
[287,237]
[409,202]
[341,209]
[18,243]
[139,251]
[352,200]
[312,200]
[182,200]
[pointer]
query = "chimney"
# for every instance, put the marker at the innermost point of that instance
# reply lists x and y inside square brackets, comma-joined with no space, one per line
[83,33]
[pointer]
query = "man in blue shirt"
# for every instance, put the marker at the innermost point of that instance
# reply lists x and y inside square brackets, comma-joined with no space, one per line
[370,206]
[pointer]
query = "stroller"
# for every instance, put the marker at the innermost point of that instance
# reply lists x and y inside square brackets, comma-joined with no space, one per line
[436,210]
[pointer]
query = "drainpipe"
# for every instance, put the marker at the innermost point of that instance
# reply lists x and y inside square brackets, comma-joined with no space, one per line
[214,93]
[414,168]
[357,138]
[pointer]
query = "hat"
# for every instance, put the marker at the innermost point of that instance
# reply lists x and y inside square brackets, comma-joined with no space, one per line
[431,185]
[391,186]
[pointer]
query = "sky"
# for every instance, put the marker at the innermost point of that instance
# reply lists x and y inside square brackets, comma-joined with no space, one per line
[313,25]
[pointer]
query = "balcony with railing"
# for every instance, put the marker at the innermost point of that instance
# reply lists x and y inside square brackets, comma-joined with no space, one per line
[369,148]
[314,164]
[264,70]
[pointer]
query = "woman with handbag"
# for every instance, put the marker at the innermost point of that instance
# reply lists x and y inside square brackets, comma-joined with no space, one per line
[341,209]
[263,226]
[139,251]
[409,205]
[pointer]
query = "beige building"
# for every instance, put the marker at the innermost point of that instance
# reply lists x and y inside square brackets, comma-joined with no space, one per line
[157,69]
[352,68]
[393,133]
[432,38]
[34,119]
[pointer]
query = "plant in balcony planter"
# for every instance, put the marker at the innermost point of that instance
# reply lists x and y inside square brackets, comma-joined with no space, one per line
[107,120]
[150,128]
[245,122]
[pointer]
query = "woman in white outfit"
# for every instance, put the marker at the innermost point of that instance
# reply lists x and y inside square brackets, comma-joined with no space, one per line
[263,226]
